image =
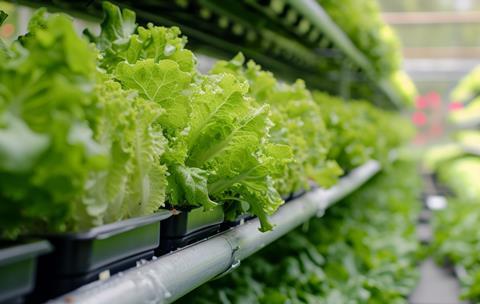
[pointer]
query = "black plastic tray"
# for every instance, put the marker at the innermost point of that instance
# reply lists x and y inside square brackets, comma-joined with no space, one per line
[300,192]
[295,195]
[82,252]
[242,218]
[52,285]
[18,267]
[187,227]
[239,220]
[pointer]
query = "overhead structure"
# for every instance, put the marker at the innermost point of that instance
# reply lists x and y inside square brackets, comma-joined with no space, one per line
[292,38]
[169,277]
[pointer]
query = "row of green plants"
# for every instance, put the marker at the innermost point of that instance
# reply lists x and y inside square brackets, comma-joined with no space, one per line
[361,20]
[457,239]
[95,129]
[363,250]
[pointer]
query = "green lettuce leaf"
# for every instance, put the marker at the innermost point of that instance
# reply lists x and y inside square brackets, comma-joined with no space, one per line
[135,181]
[360,131]
[76,149]
[297,122]
[219,148]
[162,83]
[15,155]
[218,131]
[363,251]
[47,103]
[121,40]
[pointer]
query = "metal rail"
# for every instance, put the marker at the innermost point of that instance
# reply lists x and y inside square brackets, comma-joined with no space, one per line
[314,12]
[165,279]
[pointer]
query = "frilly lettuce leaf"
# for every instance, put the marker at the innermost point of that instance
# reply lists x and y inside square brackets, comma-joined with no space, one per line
[46,104]
[188,186]
[372,258]
[112,129]
[15,155]
[135,181]
[117,27]
[297,122]
[76,149]
[121,40]
[162,83]
[360,131]
[215,133]
[217,136]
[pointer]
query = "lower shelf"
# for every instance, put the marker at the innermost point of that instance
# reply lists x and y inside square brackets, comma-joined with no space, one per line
[165,279]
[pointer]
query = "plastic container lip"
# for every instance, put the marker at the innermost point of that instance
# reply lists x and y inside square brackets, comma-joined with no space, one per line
[199,219]
[186,222]
[21,251]
[111,229]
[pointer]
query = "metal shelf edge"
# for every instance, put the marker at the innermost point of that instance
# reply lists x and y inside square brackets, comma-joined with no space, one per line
[317,15]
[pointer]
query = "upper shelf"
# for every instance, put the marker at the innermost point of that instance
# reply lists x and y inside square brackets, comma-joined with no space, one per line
[311,14]
[292,38]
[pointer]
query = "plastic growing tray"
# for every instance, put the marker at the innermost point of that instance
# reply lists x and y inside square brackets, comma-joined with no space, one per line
[86,254]
[52,286]
[82,252]
[18,263]
[239,220]
[300,192]
[188,227]
[295,195]
[242,218]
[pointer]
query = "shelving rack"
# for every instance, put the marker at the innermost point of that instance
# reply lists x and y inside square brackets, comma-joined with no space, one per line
[292,38]
[167,278]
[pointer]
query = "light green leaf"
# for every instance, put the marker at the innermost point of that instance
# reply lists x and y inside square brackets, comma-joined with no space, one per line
[20,147]
[188,184]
